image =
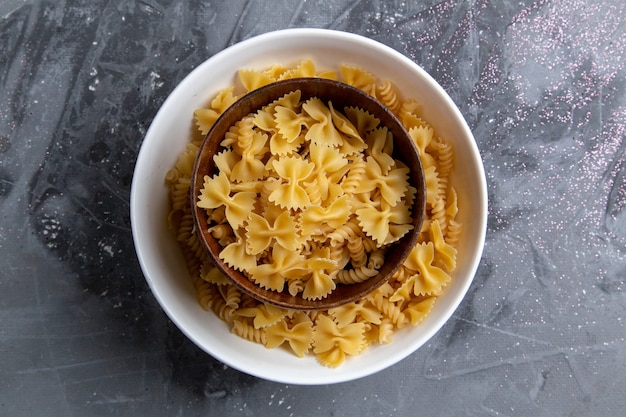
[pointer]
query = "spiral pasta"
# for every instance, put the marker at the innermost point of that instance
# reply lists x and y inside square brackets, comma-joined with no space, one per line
[246,331]
[387,94]
[356,275]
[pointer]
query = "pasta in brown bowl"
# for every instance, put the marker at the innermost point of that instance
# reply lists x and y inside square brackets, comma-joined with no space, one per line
[347,330]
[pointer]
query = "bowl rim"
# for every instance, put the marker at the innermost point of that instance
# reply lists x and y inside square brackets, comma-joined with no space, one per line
[151,267]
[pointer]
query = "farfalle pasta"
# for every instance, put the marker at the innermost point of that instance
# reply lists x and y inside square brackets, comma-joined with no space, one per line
[322,221]
[285,202]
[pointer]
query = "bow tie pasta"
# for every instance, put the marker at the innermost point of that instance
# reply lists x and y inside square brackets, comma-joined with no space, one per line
[313,193]
[308,197]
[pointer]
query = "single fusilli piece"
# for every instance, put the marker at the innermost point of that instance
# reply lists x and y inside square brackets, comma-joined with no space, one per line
[247,331]
[353,276]
[389,309]
[388,95]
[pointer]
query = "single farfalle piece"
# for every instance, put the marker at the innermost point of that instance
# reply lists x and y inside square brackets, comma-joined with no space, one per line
[292,171]
[343,124]
[322,268]
[250,167]
[422,137]
[357,311]
[380,148]
[359,78]
[299,335]
[224,99]
[260,233]
[393,186]
[290,100]
[332,343]
[303,70]
[405,291]
[326,158]
[444,252]
[216,192]
[205,118]
[335,215]
[264,120]
[283,264]
[322,130]
[289,123]
[431,178]
[253,79]
[418,309]
[385,224]
[279,146]
[264,315]
[362,120]
[225,161]
[236,254]
[330,166]
[429,279]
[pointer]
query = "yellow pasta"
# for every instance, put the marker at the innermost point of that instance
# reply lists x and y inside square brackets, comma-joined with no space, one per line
[429,279]
[388,96]
[419,308]
[390,310]
[323,130]
[289,200]
[359,78]
[385,330]
[206,293]
[223,310]
[252,79]
[206,117]
[445,253]
[232,296]
[357,311]
[356,275]
[244,330]
[299,336]
[305,69]
[332,343]
[263,315]
[380,148]
[337,230]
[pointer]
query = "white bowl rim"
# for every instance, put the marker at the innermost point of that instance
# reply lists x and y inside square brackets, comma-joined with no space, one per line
[250,365]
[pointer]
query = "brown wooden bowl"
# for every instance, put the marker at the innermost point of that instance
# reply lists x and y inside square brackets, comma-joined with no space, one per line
[341,95]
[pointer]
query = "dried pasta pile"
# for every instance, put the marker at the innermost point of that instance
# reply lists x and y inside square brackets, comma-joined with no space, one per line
[347,330]
[307,198]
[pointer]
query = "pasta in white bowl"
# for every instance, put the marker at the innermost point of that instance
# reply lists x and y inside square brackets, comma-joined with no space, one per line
[455,170]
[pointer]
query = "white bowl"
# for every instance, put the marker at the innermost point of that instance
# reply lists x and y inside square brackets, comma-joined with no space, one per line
[161,258]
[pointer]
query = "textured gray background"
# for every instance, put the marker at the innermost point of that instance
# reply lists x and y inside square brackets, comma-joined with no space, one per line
[541,332]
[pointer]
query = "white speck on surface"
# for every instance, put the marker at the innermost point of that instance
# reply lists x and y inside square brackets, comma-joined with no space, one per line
[155,80]
[94,85]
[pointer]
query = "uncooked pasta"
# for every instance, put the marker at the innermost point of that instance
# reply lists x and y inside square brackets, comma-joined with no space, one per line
[345,331]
